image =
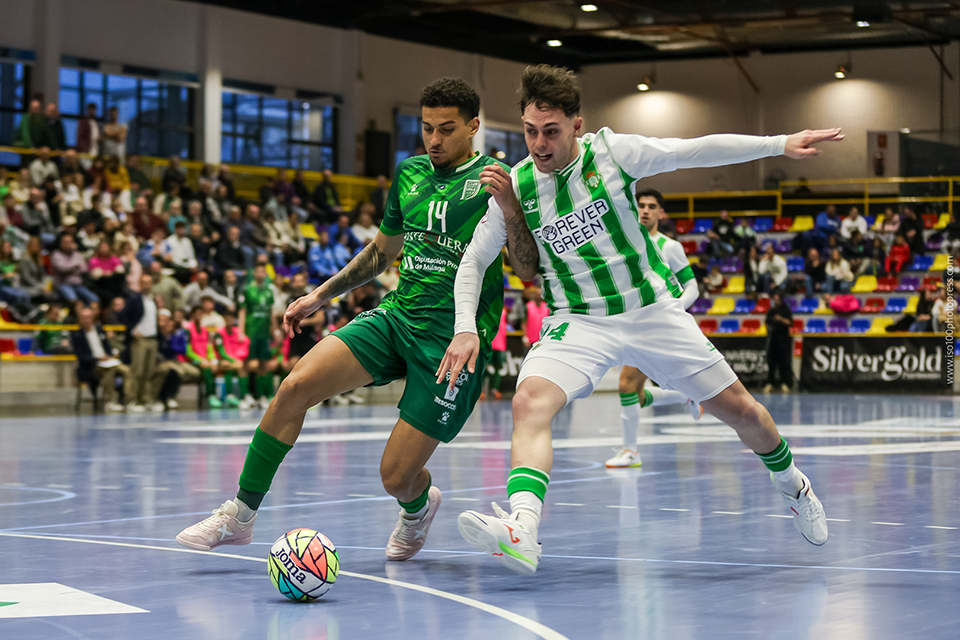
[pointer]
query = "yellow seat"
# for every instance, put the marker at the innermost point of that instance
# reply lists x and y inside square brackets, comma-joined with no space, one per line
[878,222]
[722,307]
[912,305]
[865,284]
[823,309]
[879,326]
[515,283]
[802,223]
[942,221]
[307,230]
[736,284]
[693,259]
[940,262]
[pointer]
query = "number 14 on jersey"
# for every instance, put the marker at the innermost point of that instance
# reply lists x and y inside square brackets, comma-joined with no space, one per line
[438,210]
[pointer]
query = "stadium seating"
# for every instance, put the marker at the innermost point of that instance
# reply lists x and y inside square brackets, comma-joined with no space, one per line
[731,265]
[940,262]
[724,306]
[838,325]
[797,327]
[880,325]
[782,224]
[929,283]
[735,284]
[873,305]
[751,325]
[730,325]
[933,244]
[744,305]
[895,305]
[887,283]
[762,225]
[795,263]
[929,220]
[700,306]
[878,222]
[869,220]
[794,304]
[702,225]
[708,325]
[922,263]
[684,226]
[859,325]
[689,246]
[801,224]
[912,303]
[8,345]
[816,325]
[943,221]
[808,305]
[762,306]
[909,283]
[823,309]
[865,284]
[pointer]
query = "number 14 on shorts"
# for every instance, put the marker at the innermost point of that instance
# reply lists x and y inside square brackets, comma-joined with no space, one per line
[556,333]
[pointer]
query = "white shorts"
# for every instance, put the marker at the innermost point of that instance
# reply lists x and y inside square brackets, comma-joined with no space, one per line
[662,340]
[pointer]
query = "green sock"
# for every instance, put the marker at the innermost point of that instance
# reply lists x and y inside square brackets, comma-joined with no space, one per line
[228,383]
[266,385]
[647,399]
[254,387]
[629,399]
[528,479]
[209,381]
[419,503]
[263,459]
[779,459]
[244,386]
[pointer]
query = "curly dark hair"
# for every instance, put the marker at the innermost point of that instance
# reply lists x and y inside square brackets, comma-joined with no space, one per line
[652,193]
[549,87]
[452,92]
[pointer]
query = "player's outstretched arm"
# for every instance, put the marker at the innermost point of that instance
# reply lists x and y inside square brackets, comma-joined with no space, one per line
[367,265]
[521,245]
[800,145]
[726,148]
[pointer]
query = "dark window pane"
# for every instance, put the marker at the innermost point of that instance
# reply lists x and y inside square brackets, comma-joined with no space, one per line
[94,98]
[177,104]
[149,102]
[175,143]
[11,85]
[226,148]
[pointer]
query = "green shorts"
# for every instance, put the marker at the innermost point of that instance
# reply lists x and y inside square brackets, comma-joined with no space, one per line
[389,348]
[260,349]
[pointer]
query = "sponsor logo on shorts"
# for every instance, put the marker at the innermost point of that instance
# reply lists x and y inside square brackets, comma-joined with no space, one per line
[369,314]
[470,189]
[445,404]
[451,394]
[575,229]
[445,417]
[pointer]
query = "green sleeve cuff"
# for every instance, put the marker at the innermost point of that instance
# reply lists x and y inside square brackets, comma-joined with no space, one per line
[685,274]
[388,230]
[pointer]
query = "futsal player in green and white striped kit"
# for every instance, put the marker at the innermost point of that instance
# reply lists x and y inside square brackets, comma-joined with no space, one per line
[613,299]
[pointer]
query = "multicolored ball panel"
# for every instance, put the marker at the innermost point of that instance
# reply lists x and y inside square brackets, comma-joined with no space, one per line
[303,564]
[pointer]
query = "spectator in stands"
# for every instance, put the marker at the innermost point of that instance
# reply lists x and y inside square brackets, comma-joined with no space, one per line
[839,275]
[226,178]
[853,222]
[230,254]
[325,200]
[4,180]
[96,362]
[890,227]
[172,346]
[951,243]
[297,249]
[11,214]
[43,167]
[17,299]
[58,139]
[33,131]
[145,222]
[899,255]
[140,319]
[279,241]
[68,267]
[281,186]
[88,132]
[117,176]
[343,227]
[166,200]
[378,197]
[166,288]
[266,190]
[943,310]
[208,177]
[72,196]
[751,270]
[117,211]
[721,236]
[21,188]
[51,341]
[197,216]
[194,293]
[174,175]
[139,182]
[827,224]
[174,215]
[857,251]
[772,270]
[230,288]
[299,185]
[71,165]
[815,272]
[260,232]
[54,198]
[911,228]
[107,274]
[924,321]
[127,253]
[210,208]
[745,236]
[341,251]
[177,251]
[715,282]
[779,344]
[365,230]
[210,319]
[321,260]
[114,143]
[201,245]
[277,206]
[33,277]
[88,238]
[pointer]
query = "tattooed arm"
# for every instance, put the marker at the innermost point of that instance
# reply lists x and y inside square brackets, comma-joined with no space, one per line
[521,245]
[369,263]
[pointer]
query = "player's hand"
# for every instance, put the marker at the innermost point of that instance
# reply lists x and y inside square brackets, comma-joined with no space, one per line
[497,183]
[462,351]
[301,308]
[800,145]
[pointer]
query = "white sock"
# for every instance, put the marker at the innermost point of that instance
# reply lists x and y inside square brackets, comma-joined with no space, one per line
[629,421]
[526,506]
[662,396]
[244,513]
[790,479]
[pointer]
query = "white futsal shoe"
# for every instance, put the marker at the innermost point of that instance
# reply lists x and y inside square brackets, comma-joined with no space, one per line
[220,528]
[808,515]
[696,411]
[624,458]
[410,535]
[503,537]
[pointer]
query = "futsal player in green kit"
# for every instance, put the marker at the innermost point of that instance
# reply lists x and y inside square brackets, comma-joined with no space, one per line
[434,205]
[257,323]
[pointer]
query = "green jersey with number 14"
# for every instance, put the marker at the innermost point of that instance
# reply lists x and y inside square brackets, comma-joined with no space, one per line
[437,211]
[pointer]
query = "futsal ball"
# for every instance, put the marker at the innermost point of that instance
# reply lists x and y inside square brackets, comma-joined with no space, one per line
[303,564]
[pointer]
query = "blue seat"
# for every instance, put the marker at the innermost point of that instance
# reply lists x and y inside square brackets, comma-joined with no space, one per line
[761,225]
[808,305]
[859,326]
[703,225]
[922,263]
[839,325]
[816,325]
[895,305]
[744,305]
[795,263]
[870,220]
[794,304]
[729,326]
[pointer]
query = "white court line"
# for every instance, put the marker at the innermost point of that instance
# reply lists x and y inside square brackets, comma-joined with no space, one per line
[729,513]
[60,486]
[252,426]
[889,524]
[568,504]
[831,519]
[156,488]
[104,487]
[777,515]
[933,526]
[207,490]
[617,506]
[530,625]
[308,493]
[669,509]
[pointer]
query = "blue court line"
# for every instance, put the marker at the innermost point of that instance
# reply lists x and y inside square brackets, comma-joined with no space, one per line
[302,504]
[64,495]
[567,557]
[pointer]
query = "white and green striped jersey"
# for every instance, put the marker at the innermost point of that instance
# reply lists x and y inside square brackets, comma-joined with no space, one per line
[673,254]
[595,256]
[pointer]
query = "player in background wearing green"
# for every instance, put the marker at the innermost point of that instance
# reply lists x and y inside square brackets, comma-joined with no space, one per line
[434,205]
[258,323]
[615,301]
[633,395]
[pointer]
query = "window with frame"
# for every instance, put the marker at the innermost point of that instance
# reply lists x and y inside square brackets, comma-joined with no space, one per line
[14,89]
[407,135]
[158,115]
[509,147]
[275,132]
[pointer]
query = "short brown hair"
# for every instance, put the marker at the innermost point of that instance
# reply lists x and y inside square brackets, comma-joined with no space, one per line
[549,87]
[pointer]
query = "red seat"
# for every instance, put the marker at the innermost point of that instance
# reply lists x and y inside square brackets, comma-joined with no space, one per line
[797,327]
[798,348]
[888,283]
[708,325]
[763,305]
[689,246]
[929,220]
[8,345]
[750,325]
[684,226]
[782,224]
[874,305]
[930,283]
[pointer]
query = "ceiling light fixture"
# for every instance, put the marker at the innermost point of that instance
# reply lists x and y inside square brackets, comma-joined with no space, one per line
[554,43]
[645,84]
[842,71]
[587,8]
[862,24]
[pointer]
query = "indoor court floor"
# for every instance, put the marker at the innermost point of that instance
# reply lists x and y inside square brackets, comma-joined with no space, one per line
[695,544]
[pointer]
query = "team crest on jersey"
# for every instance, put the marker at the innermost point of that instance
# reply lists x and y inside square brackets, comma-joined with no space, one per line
[592,179]
[549,232]
[529,205]
[470,189]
